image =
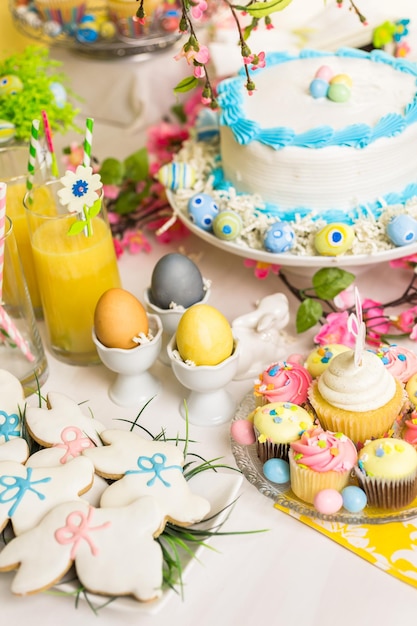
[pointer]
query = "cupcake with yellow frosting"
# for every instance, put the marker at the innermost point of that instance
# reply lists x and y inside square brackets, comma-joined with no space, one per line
[276,425]
[387,472]
[319,359]
[361,400]
[320,460]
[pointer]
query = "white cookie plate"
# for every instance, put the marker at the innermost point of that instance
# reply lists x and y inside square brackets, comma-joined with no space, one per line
[220,489]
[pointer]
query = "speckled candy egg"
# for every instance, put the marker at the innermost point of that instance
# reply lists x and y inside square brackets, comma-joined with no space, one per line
[338,92]
[118,317]
[204,335]
[402,230]
[202,209]
[176,279]
[328,501]
[354,499]
[279,237]
[227,225]
[334,239]
[277,471]
[7,131]
[10,85]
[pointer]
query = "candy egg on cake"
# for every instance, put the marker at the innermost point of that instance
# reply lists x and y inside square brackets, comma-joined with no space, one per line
[128,341]
[204,358]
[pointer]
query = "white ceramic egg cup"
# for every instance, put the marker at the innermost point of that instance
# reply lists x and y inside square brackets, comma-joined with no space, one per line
[134,383]
[208,403]
[170,319]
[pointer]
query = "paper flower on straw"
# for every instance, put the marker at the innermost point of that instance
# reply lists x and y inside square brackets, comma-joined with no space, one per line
[79,188]
[357,327]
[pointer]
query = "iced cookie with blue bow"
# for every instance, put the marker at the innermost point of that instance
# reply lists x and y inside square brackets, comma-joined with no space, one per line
[114,550]
[12,405]
[144,467]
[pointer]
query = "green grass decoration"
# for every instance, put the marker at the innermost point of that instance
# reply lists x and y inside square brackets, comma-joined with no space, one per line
[37,73]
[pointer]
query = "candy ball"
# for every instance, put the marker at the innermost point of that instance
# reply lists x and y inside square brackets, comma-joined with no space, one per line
[342,79]
[328,501]
[204,335]
[338,92]
[277,471]
[325,73]
[176,279]
[279,237]
[402,230]
[202,209]
[334,239]
[177,176]
[319,88]
[242,432]
[227,225]
[354,499]
[10,85]
[7,131]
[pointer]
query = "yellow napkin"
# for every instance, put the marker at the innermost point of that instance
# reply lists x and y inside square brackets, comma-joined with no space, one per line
[392,547]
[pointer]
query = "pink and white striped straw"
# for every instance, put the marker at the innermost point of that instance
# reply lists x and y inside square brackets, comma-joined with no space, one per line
[14,334]
[3,192]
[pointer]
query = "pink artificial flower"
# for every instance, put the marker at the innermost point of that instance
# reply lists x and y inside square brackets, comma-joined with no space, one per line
[199,71]
[406,262]
[335,330]
[261,269]
[174,233]
[375,319]
[413,334]
[269,26]
[164,140]
[345,299]
[406,320]
[202,55]
[205,101]
[257,60]
[198,9]
[118,248]
[74,158]
[402,49]
[111,192]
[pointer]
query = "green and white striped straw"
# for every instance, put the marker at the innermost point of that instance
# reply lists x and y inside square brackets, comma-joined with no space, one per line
[33,147]
[88,140]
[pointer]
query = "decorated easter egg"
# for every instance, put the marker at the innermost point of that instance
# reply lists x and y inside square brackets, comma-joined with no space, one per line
[207,124]
[341,79]
[177,176]
[338,92]
[354,499]
[277,471]
[52,29]
[107,29]
[319,88]
[325,73]
[87,30]
[402,230]
[60,94]
[10,85]
[118,318]
[204,335]
[227,225]
[328,501]
[279,237]
[7,131]
[176,279]
[202,209]
[242,432]
[334,239]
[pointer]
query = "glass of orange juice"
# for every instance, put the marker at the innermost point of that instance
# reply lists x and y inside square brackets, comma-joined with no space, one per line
[13,171]
[73,270]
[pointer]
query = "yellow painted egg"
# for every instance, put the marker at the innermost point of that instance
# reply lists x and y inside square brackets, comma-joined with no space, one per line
[411,389]
[204,335]
[334,239]
[118,318]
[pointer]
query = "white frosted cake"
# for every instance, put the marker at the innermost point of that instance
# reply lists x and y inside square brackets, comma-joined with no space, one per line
[303,153]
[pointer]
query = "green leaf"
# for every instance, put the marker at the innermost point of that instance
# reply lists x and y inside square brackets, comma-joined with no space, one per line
[126,203]
[94,210]
[186,84]
[137,165]
[77,227]
[262,9]
[330,281]
[308,314]
[112,172]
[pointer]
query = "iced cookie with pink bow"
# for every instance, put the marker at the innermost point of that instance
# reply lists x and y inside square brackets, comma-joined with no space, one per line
[27,494]
[144,467]
[113,549]
[62,427]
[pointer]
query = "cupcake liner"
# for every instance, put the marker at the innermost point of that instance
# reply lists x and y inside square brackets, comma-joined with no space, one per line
[306,483]
[269,450]
[67,12]
[390,494]
[358,426]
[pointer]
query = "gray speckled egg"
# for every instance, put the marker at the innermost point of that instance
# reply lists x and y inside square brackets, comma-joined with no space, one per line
[176,279]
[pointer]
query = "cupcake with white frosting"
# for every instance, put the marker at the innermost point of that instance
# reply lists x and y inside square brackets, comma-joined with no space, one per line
[362,400]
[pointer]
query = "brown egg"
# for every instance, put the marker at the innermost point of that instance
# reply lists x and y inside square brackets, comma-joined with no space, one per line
[118,317]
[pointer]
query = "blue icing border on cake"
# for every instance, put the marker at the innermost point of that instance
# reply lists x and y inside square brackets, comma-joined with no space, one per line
[231,98]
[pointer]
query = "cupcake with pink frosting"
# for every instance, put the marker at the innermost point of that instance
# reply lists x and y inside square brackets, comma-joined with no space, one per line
[283,381]
[410,429]
[319,460]
[400,362]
